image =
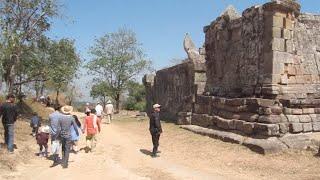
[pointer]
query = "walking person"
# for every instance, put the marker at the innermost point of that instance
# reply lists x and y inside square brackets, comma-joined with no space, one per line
[109,111]
[155,129]
[55,140]
[66,121]
[87,109]
[91,128]
[35,123]
[42,138]
[99,111]
[9,113]
[74,137]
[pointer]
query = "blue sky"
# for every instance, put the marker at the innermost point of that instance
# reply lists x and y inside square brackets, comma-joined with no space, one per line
[160,25]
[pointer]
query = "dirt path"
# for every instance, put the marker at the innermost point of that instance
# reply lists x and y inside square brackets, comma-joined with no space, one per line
[123,148]
[116,157]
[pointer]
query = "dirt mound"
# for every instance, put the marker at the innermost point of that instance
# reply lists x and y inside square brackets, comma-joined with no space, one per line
[23,139]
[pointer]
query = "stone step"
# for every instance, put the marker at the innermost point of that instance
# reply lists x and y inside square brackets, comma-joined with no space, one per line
[262,146]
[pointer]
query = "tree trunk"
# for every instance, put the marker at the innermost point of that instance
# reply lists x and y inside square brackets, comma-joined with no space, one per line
[104,102]
[37,89]
[117,99]
[42,88]
[57,97]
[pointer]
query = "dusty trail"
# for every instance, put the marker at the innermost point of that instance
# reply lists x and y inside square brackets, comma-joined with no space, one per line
[123,148]
[116,157]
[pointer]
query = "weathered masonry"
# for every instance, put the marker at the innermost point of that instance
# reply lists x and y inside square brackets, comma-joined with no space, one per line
[260,77]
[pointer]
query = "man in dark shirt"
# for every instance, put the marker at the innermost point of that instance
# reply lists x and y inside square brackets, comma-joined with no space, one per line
[65,122]
[9,113]
[155,129]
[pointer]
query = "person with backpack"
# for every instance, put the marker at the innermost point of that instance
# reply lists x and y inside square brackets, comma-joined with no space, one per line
[91,128]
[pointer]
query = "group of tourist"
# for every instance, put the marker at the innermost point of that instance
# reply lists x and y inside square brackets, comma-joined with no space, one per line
[64,129]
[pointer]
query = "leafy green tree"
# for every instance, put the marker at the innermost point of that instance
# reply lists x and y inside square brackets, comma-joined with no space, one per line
[64,63]
[21,23]
[117,59]
[136,97]
[35,65]
[100,91]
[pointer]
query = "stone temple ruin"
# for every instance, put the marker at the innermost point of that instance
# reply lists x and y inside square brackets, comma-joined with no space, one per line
[255,82]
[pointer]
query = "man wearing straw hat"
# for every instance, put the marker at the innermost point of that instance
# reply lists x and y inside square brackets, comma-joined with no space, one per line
[109,111]
[66,120]
[155,129]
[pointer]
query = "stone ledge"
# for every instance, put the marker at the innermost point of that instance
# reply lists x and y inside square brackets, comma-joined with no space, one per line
[262,146]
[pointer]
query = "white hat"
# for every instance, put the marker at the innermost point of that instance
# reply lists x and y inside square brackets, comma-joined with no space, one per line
[45,129]
[67,109]
[156,106]
[108,102]
[87,104]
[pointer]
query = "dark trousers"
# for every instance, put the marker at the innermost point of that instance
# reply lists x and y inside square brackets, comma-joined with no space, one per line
[45,146]
[66,144]
[35,130]
[9,136]
[155,142]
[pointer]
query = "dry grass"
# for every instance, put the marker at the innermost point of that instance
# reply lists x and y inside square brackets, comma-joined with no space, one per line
[23,153]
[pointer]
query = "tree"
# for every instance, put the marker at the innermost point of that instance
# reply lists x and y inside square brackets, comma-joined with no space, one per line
[136,97]
[72,92]
[64,63]
[117,59]
[35,66]
[101,91]
[21,23]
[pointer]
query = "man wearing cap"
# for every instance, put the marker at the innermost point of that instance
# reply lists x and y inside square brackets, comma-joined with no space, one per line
[155,128]
[66,120]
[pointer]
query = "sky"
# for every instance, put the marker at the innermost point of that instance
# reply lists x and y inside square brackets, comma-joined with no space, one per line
[160,25]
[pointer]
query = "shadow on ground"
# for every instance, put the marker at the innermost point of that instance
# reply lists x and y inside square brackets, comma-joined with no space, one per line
[146,152]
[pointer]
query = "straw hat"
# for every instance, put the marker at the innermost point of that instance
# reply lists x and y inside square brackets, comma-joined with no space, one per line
[45,129]
[156,106]
[67,109]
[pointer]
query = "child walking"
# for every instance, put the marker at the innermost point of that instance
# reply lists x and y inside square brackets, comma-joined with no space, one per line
[42,140]
[35,123]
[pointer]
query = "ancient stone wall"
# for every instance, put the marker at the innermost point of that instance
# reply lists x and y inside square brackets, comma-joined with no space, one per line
[269,59]
[173,89]
[261,77]
[234,50]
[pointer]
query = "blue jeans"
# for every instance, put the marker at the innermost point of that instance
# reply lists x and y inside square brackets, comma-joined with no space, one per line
[9,136]
[66,145]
